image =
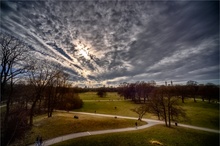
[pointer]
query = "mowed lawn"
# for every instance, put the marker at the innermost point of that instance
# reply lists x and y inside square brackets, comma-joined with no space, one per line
[111,104]
[156,135]
[64,123]
[94,96]
[109,107]
[201,114]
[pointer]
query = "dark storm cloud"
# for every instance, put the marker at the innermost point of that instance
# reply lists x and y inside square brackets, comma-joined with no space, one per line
[117,41]
[174,39]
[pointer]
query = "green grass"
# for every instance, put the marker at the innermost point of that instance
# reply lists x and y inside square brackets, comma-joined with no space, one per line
[64,123]
[94,96]
[167,136]
[201,114]
[108,107]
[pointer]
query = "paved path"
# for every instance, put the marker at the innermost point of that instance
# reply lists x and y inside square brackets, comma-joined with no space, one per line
[88,133]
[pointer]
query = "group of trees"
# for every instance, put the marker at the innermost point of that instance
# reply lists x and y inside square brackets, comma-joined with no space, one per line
[163,101]
[139,92]
[102,92]
[50,90]
[29,87]
[136,91]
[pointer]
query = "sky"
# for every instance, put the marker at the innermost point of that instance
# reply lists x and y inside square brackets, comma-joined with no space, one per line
[102,42]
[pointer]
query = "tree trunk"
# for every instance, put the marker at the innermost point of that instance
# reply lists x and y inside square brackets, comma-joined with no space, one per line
[51,112]
[48,107]
[52,106]
[32,112]
[7,113]
[31,117]
[158,115]
[194,98]
[165,115]
[182,99]
[145,98]
[8,104]
[26,105]
[169,115]
[39,106]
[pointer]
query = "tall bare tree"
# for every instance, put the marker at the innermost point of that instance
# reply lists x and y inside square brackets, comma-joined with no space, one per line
[163,102]
[192,89]
[56,89]
[13,56]
[40,76]
[182,91]
[13,59]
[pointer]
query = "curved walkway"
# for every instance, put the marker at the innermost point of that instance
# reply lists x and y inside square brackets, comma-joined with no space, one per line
[88,133]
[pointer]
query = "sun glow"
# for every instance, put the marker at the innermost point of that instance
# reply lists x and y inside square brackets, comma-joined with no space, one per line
[84,53]
[83,50]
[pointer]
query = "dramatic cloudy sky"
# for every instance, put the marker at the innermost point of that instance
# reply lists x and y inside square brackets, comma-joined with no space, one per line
[109,42]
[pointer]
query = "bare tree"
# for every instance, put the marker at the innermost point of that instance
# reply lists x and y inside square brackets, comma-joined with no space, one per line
[136,91]
[141,111]
[163,102]
[13,55]
[140,90]
[193,89]
[127,90]
[40,76]
[56,89]
[213,91]
[13,58]
[182,91]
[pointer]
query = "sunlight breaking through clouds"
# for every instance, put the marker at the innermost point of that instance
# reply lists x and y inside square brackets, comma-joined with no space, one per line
[118,41]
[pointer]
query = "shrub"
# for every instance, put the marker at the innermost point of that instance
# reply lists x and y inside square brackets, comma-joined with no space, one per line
[70,101]
[101,92]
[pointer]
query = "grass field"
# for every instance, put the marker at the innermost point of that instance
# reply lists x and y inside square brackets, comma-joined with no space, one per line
[64,123]
[149,137]
[108,107]
[201,114]
[94,96]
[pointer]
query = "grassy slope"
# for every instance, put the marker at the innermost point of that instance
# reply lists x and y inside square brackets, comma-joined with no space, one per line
[64,123]
[94,96]
[167,136]
[108,107]
[201,114]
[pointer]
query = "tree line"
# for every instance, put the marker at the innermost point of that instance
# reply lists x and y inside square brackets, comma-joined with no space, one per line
[139,92]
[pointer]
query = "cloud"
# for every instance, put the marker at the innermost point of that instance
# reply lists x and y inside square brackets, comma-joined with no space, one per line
[122,41]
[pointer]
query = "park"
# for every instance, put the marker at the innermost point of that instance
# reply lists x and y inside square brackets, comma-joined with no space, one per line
[109,73]
[113,117]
